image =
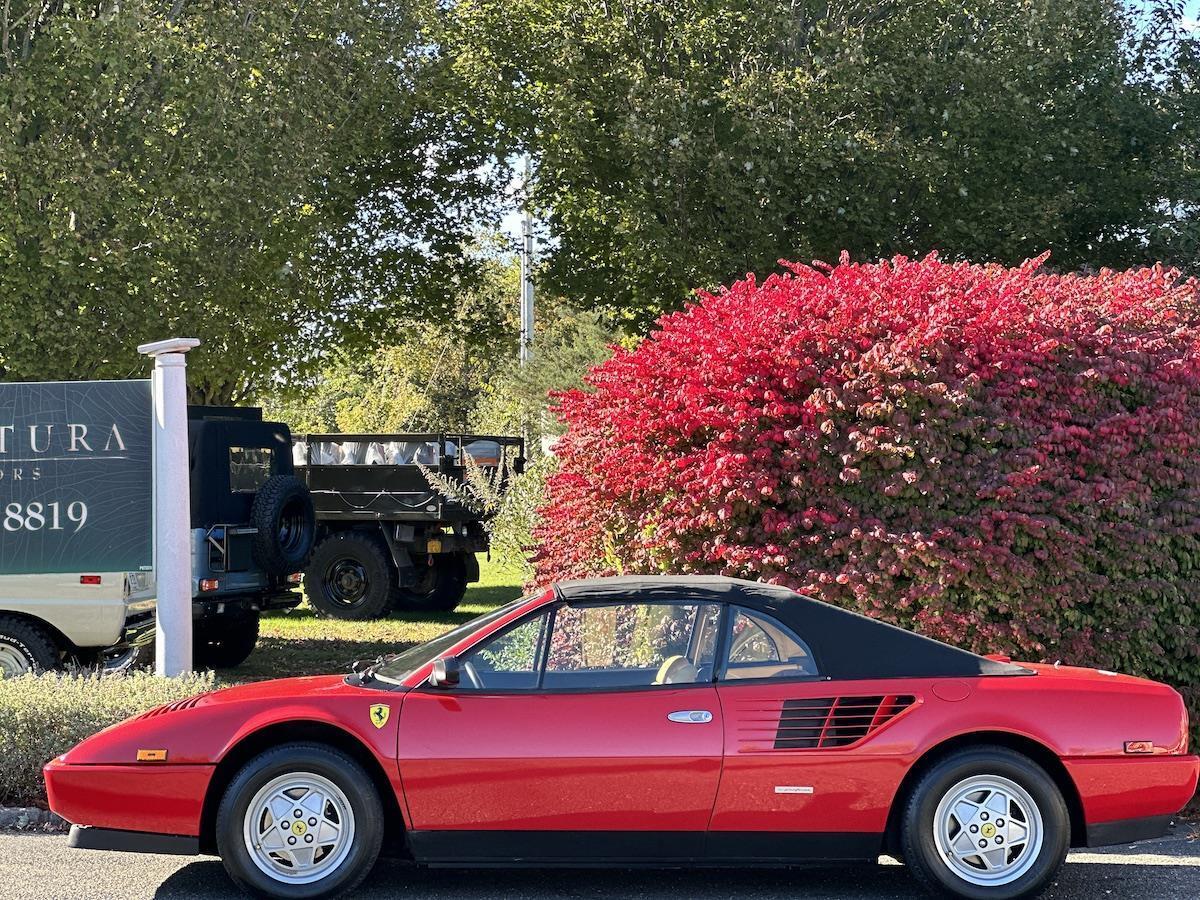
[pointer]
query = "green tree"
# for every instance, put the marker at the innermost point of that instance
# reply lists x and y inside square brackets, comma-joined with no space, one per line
[278,179]
[428,374]
[681,145]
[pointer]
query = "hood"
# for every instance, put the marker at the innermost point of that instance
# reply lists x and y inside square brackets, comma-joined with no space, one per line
[200,730]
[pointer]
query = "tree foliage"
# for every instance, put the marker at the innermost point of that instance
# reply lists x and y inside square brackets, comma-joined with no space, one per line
[999,458]
[272,178]
[684,144]
[425,374]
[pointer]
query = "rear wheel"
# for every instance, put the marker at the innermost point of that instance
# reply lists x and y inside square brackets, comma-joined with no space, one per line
[350,577]
[985,824]
[224,641]
[25,647]
[300,821]
[441,588]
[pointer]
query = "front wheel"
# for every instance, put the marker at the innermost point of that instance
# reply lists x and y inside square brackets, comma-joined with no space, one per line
[301,821]
[985,824]
[25,646]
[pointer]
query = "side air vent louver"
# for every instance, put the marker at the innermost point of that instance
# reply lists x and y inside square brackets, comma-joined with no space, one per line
[186,703]
[823,722]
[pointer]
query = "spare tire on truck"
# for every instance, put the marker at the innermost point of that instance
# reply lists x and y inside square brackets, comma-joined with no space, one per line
[286,521]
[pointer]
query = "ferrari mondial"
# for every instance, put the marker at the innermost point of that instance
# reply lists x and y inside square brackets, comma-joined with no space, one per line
[646,721]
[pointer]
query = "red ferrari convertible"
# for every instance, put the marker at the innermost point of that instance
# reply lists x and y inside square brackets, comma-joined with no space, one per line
[646,721]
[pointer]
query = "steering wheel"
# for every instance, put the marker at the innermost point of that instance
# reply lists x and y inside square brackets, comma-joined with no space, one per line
[468,669]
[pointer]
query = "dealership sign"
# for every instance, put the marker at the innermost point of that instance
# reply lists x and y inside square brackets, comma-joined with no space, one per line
[76,477]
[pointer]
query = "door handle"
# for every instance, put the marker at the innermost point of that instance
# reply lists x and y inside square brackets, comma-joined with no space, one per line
[691,716]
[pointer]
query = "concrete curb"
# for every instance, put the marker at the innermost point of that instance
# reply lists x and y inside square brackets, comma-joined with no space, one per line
[30,818]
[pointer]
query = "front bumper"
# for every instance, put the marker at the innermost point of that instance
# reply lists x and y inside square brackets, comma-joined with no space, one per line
[137,635]
[139,631]
[146,797]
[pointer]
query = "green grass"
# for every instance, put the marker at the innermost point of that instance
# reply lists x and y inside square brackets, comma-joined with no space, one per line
[299,642]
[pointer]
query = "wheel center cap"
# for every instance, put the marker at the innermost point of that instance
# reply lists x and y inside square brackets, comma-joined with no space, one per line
[298,828]
[988,830]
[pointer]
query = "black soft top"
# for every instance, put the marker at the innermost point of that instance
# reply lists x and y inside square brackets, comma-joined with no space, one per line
[846,645]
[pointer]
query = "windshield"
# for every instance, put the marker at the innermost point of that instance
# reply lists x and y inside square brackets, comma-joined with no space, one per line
[400,666]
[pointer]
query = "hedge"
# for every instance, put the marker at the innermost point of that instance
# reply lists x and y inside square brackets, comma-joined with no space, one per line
[43,716]
[1001,458]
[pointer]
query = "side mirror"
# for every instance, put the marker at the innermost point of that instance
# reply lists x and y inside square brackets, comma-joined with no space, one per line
[446,672]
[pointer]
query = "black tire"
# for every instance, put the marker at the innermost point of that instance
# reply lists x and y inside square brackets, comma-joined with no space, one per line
[350,577]
[26,646]
[286,521]
[224,641]
[333,765]
[441,589]
[918,845]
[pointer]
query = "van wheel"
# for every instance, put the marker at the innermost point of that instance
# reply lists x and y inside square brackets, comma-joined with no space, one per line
[224,641]
[300,821]
[25,647]
[350,577]
[442,587]
[985,823]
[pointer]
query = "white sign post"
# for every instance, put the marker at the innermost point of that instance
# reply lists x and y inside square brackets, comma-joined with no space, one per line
[172,505]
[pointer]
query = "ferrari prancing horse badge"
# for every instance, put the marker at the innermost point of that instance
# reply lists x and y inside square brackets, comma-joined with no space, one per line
[379,714]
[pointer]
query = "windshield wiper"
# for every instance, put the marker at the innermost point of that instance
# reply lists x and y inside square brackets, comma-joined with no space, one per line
[365,669]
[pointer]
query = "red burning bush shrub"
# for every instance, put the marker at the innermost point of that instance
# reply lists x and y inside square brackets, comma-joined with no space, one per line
[999,458]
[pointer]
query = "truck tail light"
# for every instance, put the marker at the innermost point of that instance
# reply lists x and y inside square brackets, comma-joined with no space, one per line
[209,584]
[295,578]
[89,579]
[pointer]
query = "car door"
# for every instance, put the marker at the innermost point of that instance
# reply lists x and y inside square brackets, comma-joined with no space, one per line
[589,731]
[797,782]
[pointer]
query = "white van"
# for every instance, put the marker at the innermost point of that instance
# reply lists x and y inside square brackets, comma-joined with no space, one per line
[102,619]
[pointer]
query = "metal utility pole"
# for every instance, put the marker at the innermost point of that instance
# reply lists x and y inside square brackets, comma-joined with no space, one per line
[526,275]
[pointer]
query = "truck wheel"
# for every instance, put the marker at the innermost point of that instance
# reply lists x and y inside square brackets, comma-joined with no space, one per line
[224,641]
[442,588]
[25,647]
[350,577]
[287,525]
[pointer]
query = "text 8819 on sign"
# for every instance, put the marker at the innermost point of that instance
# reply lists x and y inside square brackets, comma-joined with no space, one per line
[76,477]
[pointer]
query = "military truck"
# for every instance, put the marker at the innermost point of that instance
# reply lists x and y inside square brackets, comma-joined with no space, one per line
[389,538]
[357,514]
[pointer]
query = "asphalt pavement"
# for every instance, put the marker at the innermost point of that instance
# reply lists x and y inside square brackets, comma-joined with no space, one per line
[42,867]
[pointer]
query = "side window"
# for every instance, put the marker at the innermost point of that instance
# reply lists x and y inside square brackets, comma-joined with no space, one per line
[507,661]
[762,647]
[630,645]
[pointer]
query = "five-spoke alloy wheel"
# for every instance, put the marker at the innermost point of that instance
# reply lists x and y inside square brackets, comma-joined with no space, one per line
[300,821]
[988,830]
[985,823]
[299,827]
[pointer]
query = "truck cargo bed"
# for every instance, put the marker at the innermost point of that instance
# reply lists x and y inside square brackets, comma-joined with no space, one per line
[379,477]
